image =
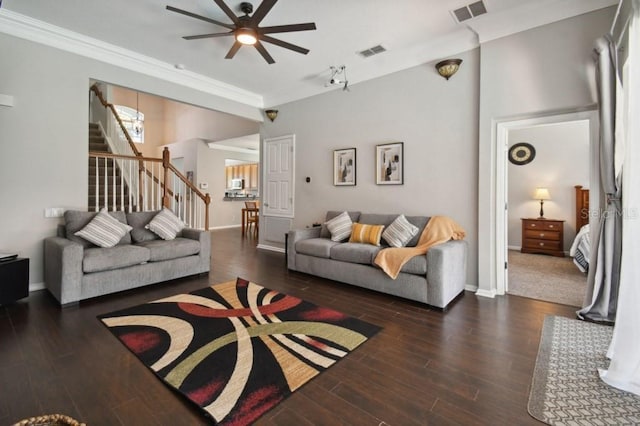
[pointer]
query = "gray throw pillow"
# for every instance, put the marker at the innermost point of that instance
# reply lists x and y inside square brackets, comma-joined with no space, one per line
[400,232]
[340,227]
[166,224]
[104,230]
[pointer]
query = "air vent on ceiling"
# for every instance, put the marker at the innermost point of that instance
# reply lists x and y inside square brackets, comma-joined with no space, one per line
[372,51]
[470,11]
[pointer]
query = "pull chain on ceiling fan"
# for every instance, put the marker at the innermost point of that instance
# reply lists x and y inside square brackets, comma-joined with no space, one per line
[246,29]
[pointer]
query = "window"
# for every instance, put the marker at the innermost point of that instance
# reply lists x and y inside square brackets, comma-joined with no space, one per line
[130,117]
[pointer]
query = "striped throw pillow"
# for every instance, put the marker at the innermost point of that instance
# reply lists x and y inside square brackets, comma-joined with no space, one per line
[340,227]
[367,234]
[165,224]
[104,230]
[400,232]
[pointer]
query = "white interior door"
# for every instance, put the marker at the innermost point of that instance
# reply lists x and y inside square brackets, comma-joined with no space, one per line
[278,176]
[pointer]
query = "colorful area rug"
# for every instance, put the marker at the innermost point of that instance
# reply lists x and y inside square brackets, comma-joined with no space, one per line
[566,387]
[236,349]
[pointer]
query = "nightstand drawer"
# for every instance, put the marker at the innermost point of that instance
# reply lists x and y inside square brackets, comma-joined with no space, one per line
[542,224]
[542,244]
[542,235]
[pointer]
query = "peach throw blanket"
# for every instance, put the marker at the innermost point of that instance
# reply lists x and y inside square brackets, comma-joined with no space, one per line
[440,229]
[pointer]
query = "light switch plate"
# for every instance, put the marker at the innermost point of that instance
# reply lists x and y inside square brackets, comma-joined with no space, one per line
[54,212]
[204,185]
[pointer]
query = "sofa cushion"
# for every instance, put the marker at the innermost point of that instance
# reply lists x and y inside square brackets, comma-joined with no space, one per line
[173,249]
[105,259]
[75,220]
[340,227]
[318,247]
[366,234]
[386,219]
[324,231]
[138,221]
[166,224]
[416,265]
[400,232]
[355,253]
[104,230]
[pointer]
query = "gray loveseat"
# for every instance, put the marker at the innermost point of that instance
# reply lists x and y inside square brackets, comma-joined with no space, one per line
[436,278]
[75,269]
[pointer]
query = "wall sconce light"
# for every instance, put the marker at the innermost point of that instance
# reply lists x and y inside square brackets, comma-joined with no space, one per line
[272,114]
[448,67]
[542,194]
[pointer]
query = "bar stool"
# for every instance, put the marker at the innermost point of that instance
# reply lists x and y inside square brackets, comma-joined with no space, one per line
[252,216]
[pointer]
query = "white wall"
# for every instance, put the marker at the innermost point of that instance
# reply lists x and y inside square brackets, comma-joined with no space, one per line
[544,69]
[44,137]
[436,119]
[561,162]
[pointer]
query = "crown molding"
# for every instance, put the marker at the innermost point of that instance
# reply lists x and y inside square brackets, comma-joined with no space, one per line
[21,26]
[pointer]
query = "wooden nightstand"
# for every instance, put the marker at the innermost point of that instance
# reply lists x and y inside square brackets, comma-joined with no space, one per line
[543,236]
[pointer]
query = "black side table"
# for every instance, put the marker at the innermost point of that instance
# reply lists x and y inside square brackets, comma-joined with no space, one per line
[14,280]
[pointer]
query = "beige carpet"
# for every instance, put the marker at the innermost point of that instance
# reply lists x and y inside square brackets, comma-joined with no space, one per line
[549,278]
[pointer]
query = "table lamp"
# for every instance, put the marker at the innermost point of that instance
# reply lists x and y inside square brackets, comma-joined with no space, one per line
[541,194]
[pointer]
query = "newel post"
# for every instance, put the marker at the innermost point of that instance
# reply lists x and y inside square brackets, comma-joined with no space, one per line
[166,162]
[207,201]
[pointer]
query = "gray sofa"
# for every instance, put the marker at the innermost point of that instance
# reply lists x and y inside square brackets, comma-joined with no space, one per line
[75,269]
[436,278]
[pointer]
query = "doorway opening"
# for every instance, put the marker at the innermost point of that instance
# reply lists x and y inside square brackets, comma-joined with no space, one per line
[556,139]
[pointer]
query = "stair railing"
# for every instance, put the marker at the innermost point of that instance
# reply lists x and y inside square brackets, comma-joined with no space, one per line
[153,182]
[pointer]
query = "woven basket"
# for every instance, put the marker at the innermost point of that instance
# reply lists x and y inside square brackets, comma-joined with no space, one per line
[50,420]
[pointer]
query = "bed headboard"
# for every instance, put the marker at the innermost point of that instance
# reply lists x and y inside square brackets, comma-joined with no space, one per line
[582,207]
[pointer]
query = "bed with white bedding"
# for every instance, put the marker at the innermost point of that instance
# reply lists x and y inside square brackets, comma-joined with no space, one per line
[581,249]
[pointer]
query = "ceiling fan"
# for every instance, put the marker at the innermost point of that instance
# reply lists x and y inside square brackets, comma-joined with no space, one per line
[246,29]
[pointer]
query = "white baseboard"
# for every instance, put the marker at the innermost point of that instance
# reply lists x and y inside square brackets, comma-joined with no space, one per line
[470,287]
[271,248]
[36,286]
[518,248]
[224,227]
[486,293]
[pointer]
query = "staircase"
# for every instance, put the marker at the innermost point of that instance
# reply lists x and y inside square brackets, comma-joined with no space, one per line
[118,191]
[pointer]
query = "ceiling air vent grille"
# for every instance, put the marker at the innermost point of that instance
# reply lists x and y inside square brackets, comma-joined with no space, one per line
[470,11]
[372,51]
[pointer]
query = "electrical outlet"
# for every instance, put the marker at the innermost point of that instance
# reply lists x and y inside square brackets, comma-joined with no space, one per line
[53,212]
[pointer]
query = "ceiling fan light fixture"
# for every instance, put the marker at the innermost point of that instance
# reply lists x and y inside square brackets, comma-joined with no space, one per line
[246,35]
[448,67]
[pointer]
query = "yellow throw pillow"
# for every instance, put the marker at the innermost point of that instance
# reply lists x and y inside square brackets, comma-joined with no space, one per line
[367,234]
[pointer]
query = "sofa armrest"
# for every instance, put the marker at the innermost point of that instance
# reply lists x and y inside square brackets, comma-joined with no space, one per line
[204,238]
[294,236]
[446,272]
[63,269]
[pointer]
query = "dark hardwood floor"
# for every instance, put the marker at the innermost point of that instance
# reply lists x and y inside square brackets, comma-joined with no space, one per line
[471,365]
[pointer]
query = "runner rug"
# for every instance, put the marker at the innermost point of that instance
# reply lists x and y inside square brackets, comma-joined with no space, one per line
[566,388]
[236,349]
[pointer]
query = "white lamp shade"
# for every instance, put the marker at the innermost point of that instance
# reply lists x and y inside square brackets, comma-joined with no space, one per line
[542,194]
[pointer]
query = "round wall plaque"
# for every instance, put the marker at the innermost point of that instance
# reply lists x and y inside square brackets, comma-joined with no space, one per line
[522,153]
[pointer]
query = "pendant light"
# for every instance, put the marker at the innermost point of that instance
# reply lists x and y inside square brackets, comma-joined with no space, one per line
[137,124]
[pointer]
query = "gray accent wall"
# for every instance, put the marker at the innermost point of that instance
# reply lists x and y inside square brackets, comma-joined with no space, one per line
[43,138]
[436,119]
[542,70]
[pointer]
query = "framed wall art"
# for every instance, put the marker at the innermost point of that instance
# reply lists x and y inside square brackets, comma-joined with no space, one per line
[344,167]
[390,164]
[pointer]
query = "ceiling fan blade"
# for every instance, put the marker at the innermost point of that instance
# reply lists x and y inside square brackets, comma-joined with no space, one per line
[202,18]
[260,47]
[227,11]
[284,44]
[287,28]
[262,11]
[196,37]
[234,49]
